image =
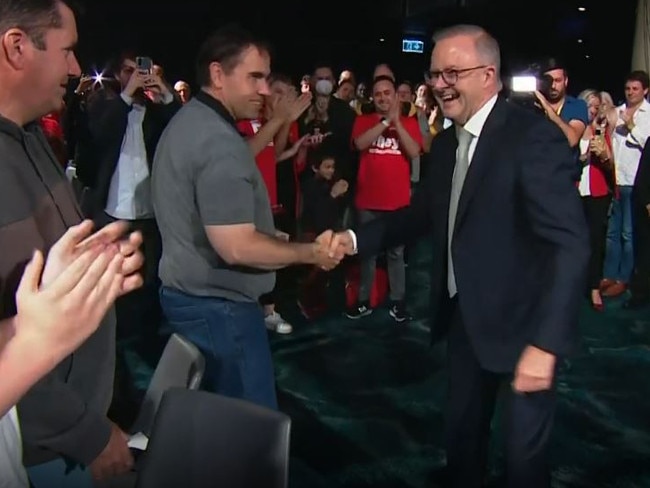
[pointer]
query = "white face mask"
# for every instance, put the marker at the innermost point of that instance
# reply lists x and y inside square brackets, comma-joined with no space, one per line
[324,87]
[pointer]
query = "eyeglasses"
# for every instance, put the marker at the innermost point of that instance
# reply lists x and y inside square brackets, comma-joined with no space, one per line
[449,76]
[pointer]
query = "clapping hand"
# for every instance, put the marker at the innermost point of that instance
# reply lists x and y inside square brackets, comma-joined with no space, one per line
[339,188]
[79,239]
[290,108]
[61,315]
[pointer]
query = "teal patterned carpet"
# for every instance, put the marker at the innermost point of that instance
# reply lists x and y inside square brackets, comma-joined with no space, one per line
[366,399]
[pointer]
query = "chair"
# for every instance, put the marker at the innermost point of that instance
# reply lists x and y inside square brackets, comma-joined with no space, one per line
[204,440]
[181,365]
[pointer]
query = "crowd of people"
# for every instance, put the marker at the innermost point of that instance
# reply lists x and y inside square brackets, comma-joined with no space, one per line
[173,218]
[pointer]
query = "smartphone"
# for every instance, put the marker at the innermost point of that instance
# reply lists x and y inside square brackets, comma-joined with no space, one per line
[599,131]
[144,63]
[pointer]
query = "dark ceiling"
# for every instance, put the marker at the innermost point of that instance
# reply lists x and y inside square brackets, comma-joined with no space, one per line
[348,33]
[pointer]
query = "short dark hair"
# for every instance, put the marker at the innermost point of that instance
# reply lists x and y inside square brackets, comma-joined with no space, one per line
[553,63]
[280,77]
[407,83]
[383,78]
[640,76]
[316,158]
[34,17]
[118,61]
[225,46]
[322,63]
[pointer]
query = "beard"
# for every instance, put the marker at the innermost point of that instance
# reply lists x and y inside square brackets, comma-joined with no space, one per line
[555,96]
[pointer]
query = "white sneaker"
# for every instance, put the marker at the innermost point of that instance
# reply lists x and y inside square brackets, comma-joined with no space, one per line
[276,323]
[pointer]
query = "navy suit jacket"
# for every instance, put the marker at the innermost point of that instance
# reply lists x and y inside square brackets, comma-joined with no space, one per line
[520,243]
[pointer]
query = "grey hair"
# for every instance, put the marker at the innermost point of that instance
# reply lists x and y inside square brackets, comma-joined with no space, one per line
[487,46]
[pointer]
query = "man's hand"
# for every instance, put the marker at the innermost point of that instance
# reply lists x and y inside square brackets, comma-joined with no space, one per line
[627,116]
[156,85]
[326,255]
[57,318]
[339,244]
[78,239]
[535,371]
[395,112]
[138,80]
[544,103]
[115,459]
[289,109]
[344,243]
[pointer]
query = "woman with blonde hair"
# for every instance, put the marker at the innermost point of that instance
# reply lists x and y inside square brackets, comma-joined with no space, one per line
[597,185]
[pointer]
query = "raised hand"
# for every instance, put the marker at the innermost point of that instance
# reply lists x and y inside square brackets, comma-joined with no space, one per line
[339,188]
[79,239]
[61,315]
[299,105]
[138,80]
[289,109]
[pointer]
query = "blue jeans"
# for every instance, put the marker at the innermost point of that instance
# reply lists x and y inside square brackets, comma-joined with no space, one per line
[56,474]
[619,251]
[232,337]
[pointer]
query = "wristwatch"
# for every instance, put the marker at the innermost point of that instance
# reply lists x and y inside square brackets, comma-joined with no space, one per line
[385,122]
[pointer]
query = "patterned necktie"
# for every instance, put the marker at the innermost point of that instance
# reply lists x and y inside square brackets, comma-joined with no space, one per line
[460,172]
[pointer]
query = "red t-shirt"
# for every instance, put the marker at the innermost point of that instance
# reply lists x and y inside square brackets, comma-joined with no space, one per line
[266,160]
[384,179]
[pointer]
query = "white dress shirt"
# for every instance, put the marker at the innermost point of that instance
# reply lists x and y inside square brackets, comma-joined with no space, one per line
[627,146]
[129,195]
[12,472]
[474,126]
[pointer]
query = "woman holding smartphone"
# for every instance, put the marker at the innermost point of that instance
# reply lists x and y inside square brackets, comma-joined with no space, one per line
[597,186]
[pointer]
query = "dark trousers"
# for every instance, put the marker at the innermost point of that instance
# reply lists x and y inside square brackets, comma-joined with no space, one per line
[268,298]
[138,313]
[640,283]
[527,421]
[596,212]
[233,339]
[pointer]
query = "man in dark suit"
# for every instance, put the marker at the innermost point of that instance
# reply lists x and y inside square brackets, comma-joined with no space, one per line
[507,281]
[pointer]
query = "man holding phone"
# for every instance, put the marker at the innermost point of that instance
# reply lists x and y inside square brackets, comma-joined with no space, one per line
[125,129]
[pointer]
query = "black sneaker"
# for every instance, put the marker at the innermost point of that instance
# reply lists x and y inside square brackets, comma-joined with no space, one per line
[398,312]
[361,310]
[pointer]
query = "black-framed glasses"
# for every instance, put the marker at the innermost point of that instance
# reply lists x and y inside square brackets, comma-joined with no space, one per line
[449,76]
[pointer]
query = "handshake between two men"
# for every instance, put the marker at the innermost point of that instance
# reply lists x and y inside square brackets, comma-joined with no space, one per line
[332,247]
